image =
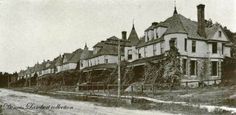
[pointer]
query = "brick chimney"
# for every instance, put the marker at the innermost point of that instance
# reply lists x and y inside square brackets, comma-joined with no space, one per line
[201,20]
[123,35]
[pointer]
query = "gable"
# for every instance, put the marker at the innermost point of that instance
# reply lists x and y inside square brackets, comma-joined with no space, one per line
[219,35]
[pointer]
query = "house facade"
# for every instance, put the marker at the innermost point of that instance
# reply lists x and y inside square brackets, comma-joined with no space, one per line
[69,61]
[198,44]
[103,59]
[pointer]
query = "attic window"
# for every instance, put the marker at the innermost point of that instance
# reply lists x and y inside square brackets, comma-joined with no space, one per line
[220,33]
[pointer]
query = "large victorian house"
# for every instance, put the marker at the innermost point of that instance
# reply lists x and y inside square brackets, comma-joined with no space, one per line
[197,43]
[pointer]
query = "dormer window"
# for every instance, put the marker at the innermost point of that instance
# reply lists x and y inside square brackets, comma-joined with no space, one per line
[219,33]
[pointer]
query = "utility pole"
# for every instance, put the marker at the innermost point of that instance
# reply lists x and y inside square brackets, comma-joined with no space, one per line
[119,59]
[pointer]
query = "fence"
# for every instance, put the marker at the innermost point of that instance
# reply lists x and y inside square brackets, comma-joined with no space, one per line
[138,88]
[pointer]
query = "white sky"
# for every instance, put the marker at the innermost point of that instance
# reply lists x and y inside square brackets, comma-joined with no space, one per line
[34,30]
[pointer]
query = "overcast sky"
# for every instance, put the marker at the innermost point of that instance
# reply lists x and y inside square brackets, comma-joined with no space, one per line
[34,30]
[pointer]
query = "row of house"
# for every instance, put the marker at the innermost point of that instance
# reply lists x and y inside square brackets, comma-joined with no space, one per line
[198,42]
[65,62]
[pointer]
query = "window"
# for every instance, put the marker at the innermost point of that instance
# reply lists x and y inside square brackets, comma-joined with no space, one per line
[81,64]
[193,67]
[193,46]
[219,33]
[214,65]
[145,51]
[156,35]
[106,60]
[185,44]
[184,66]
[161,48]
[154,49]
[129,54]
[214,47]
[139,54]
[222,48]
[147,38]
[172,42]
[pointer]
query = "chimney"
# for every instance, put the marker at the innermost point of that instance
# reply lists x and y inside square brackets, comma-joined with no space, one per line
[201,20]
[124,35]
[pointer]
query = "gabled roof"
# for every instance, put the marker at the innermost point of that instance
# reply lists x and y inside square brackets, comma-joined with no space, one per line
[99,44]
[48,62]
[37,67]
[133,36]
[58,61]
[210,32]
[114,41]
[67,57]
[180,24]
[107,50]
[86,53]
[109,47]
[76,56]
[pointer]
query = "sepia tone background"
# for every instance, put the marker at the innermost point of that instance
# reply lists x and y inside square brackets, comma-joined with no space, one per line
[34,30]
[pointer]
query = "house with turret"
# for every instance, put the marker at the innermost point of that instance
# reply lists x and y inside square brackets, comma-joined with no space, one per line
[201,47]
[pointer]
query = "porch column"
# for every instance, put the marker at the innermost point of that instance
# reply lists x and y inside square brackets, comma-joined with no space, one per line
[219,69]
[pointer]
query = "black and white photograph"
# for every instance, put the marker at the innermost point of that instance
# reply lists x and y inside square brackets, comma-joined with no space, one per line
[117,57]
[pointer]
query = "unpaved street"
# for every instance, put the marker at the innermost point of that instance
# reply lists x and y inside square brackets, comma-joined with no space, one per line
[19,103]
